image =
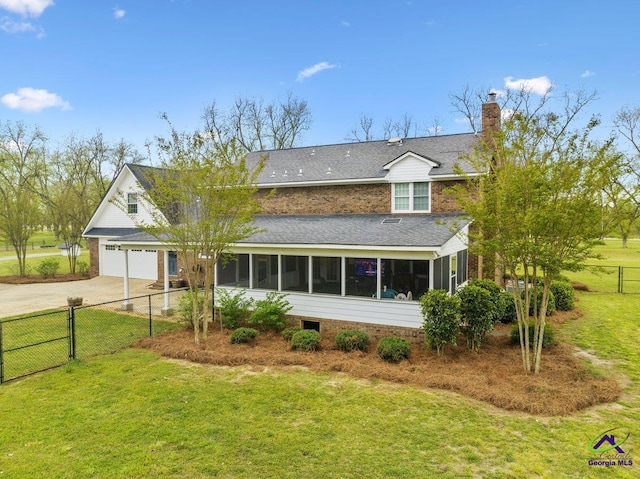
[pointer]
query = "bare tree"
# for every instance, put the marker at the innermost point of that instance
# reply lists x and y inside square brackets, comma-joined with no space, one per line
[255,126]
[404,127]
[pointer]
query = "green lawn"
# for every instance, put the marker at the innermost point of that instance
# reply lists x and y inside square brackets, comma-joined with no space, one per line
[135,414]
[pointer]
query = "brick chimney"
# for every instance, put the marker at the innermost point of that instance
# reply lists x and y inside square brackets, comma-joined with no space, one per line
[490,117]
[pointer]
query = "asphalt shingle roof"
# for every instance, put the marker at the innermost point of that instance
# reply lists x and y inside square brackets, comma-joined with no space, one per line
[361,230]
[364,160]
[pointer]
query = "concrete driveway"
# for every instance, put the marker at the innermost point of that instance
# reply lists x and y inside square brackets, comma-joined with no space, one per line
[28,298]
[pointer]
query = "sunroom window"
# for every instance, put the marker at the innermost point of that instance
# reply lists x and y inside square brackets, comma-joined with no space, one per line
[408,197]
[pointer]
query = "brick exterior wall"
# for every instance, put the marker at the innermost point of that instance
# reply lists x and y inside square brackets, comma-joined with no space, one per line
[326,200]
[347,199]
[441,200]
[94,256]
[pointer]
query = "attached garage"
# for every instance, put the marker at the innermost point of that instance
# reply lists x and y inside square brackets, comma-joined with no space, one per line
[143,263]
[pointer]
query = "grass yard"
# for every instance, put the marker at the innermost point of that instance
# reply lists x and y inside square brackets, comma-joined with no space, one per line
[136,414]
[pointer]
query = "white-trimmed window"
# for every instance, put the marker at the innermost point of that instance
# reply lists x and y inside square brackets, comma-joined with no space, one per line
[409,197]
[132,203]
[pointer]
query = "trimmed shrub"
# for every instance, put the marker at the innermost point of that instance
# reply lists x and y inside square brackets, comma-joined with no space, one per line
[82,267]
[243,335]
[271,312]
[478,312]
[288,333]
[48,267]
[497,296]
[393,349]
[509,316]
[352,340]
[441,313]
[186,310]
[548,339]
[232,306]
[564,295]
[306,340]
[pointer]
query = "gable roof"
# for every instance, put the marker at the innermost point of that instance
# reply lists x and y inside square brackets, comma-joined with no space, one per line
[364,161]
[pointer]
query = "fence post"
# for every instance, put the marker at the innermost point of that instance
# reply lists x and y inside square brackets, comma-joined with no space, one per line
[72,326]
[150,318]
[1,357]
[620,279]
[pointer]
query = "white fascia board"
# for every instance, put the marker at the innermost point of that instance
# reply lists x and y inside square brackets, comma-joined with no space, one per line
[455,176]
[397,252]
[346,181]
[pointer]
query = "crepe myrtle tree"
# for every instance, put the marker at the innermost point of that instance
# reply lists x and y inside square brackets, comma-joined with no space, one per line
[537,209]
[200,201]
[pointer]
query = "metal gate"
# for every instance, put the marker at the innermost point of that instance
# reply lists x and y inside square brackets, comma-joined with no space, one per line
[34,343]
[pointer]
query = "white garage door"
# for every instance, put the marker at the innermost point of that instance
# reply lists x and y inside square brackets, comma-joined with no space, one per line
[143,264]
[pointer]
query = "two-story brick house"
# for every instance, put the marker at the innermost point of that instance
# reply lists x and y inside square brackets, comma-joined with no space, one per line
[352,230]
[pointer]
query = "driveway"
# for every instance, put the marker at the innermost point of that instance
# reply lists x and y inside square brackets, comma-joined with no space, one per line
[28,298]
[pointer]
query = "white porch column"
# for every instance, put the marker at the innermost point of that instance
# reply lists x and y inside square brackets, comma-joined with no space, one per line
[250,270]
[378,277]
[167,310]
[310,274]
[126,305]
[280,270]
[343,275]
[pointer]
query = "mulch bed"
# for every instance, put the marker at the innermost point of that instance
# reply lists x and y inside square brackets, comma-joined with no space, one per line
[59,278]
[493,375]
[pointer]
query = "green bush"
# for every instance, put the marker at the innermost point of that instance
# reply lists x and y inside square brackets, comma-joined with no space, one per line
[186,310]
[306,340]
[243,335]
[564,295]
[509,316]
[233,307]
[48,267]
[271,312]
[393,349]
[82,267]
[497,296]
[288,333]
[478,312]
[548,338]
[441,313]
[352,340]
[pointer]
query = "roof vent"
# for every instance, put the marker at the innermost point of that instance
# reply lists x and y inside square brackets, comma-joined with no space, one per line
[313,152]
[300,172]
[396,140]
[391,221]
[328,171]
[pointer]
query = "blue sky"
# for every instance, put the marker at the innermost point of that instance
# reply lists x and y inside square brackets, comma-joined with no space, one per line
[78,66]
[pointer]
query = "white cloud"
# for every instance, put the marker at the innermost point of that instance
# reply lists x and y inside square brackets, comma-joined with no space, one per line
[461,121]
[10,26]
[119,13]
[587,73]
[317,68]
[32,100]
[540,85]
[345,24]
[28,8]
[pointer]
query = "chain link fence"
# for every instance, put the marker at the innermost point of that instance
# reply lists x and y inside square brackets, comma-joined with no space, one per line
[35,343]
[611,279]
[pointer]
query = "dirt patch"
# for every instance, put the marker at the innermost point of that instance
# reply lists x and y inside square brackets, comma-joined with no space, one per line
[493,375]
[59,278]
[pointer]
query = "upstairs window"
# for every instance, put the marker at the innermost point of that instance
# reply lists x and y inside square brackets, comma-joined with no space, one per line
[408,197]
[132,203]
